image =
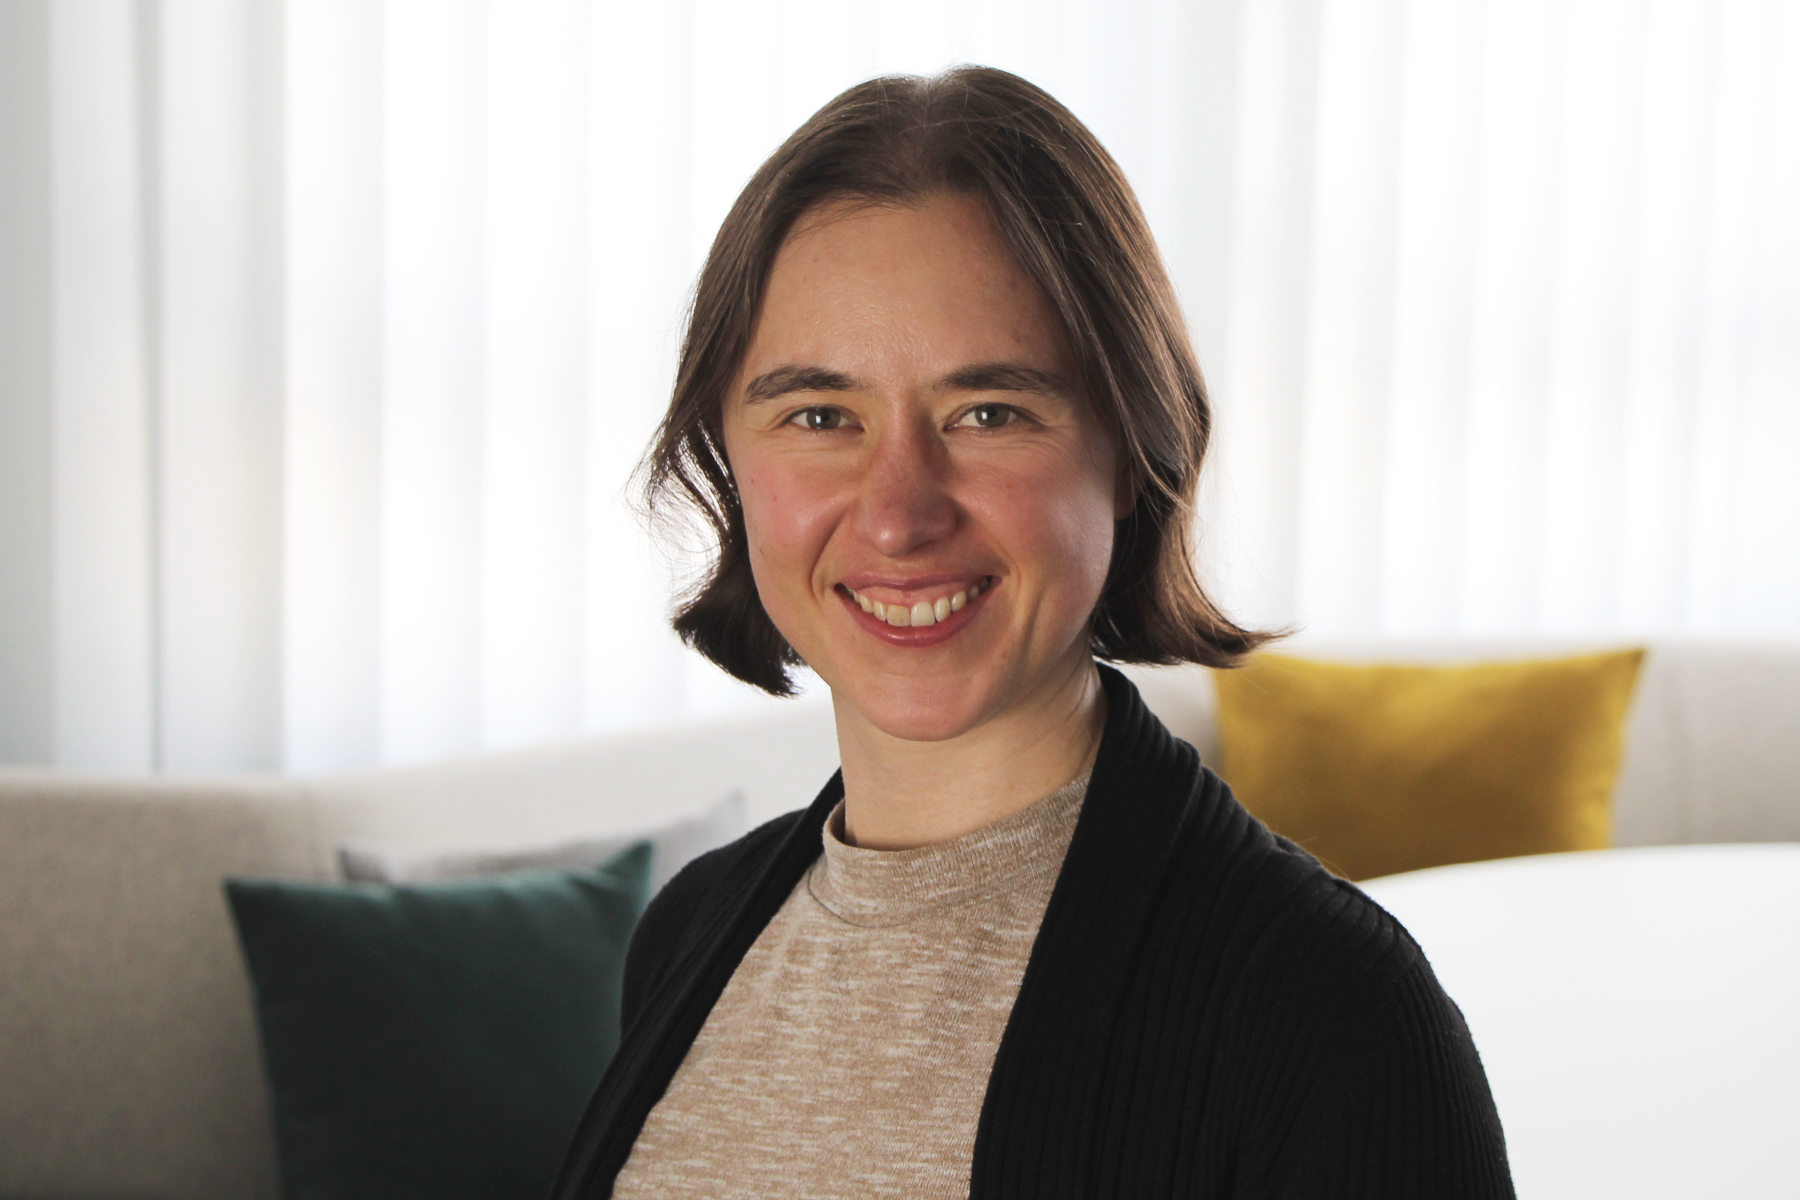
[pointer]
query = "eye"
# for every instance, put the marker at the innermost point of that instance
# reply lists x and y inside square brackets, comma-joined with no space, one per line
[820,418]
[988,416]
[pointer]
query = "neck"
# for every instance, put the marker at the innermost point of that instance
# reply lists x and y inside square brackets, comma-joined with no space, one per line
[901,794]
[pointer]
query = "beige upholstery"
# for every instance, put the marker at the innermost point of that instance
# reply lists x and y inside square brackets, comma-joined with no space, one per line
[128,1061]
[127,1048]
[128,1054]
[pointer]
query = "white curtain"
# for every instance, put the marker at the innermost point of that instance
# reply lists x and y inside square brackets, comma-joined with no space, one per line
[330,331]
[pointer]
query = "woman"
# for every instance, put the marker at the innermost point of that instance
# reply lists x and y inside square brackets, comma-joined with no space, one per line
[937,403]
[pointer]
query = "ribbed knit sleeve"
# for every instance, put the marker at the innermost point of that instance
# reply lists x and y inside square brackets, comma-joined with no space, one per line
[1410,1114]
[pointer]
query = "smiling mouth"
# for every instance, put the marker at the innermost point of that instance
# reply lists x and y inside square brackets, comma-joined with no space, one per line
[922,612]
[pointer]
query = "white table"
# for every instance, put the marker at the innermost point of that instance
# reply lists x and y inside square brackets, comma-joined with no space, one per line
[1638,1012]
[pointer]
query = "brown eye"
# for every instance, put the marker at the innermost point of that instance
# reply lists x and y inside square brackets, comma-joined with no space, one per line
[820,418]
[988,416]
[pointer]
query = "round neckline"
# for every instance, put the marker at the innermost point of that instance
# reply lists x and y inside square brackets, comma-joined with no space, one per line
[877,888]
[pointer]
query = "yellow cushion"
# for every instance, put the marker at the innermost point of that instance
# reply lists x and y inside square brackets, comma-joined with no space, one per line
[1378,769]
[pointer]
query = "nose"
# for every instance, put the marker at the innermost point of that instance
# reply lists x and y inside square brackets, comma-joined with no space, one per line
[903,503]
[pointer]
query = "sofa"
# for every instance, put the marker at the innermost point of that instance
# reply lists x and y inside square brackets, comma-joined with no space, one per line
[129,1064]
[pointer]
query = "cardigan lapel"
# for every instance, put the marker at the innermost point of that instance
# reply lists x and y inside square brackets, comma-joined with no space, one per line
[676,1010]
[1035,1138]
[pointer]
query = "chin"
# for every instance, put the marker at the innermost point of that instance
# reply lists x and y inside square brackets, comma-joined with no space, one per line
[919,710]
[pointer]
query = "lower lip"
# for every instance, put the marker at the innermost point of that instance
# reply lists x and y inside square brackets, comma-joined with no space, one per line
[917,637]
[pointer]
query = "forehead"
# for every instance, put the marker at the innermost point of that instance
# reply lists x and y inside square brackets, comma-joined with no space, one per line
[857,230]
[933,280]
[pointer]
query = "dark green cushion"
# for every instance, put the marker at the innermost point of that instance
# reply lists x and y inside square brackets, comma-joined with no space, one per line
[436,1040]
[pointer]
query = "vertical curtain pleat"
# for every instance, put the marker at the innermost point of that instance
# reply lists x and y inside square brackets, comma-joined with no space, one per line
[639,257]
[1515,214]
[433,388]
[1344,388]
[103,645]
[1263,356]
[1590,302]
[27,407]
[334,332]
[1749,43]
[1766,594]
[333,387]
[1426,448]
[215,379]
[1681,57]
[534,419]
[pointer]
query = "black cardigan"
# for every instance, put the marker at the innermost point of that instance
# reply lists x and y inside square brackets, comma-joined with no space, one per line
[1207,1012]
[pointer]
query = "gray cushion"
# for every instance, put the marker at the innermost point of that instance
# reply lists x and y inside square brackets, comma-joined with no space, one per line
[674,845]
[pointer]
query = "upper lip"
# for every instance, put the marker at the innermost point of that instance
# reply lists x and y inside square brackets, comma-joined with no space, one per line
[911,583]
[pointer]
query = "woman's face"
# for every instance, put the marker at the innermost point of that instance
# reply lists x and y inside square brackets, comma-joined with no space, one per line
[929,499]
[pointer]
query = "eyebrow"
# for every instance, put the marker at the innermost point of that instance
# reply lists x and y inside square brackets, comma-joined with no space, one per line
[1005,377]
[783,380]
[977,377]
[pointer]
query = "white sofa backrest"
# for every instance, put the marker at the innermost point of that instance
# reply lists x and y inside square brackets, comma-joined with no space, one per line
[1713,749]
[597,785]
[128,1055]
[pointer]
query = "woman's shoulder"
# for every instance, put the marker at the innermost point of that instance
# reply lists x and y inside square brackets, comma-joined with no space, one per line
[1328,1009]
[1235,902]
[1292,922]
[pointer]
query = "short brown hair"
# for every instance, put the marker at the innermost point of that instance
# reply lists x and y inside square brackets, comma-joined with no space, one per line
[1063,206]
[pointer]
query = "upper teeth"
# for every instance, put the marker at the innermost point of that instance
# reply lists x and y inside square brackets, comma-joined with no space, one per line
[925,612]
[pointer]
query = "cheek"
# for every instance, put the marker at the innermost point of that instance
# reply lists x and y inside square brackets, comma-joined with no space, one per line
[1083,551]
[788,517]
[1059,527]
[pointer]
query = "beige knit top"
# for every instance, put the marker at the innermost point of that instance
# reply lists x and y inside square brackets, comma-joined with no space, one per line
[849,1054]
